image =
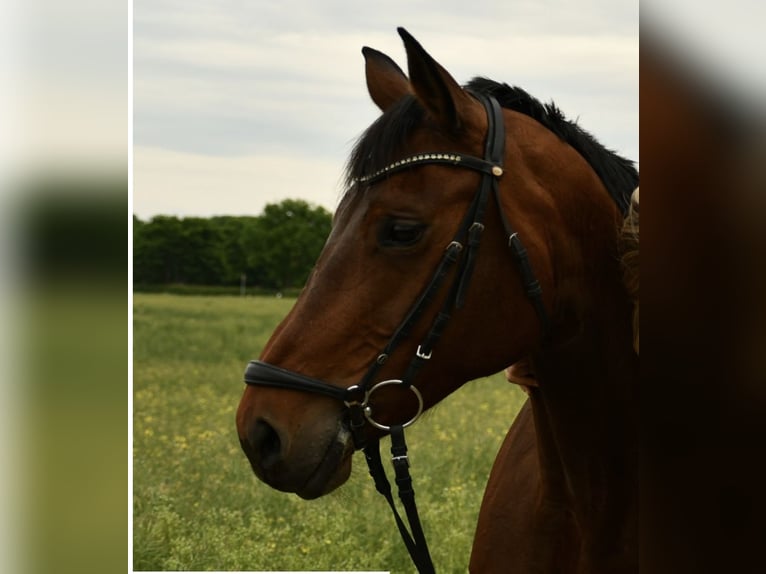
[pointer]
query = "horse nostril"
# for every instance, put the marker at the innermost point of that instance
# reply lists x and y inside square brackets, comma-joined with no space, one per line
[267,447]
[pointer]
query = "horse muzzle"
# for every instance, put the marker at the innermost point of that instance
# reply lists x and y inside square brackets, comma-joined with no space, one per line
[312,463]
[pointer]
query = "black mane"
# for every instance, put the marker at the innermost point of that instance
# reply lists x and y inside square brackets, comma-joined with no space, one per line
[381,143]
[618,174]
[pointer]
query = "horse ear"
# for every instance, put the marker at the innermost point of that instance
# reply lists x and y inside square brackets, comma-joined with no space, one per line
[386,82]
[436,89]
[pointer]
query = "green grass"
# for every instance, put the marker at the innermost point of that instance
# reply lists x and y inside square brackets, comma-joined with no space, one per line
[196,503]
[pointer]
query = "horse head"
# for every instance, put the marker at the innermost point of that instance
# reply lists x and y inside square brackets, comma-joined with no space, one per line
[410,206]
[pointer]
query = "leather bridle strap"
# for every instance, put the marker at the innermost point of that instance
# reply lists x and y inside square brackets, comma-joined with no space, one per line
[463,238]
[267,375]
[416,541]
[529,281]
[472,227]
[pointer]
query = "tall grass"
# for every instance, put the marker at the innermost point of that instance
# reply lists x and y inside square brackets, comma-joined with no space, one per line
[196,503]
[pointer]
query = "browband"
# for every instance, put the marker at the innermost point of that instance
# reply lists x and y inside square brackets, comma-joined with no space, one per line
[466,161]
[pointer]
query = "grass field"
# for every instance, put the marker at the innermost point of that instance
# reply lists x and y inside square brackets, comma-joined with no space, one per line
[196,503]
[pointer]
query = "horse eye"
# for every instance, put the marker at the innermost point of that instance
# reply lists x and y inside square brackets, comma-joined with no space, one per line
[401,233]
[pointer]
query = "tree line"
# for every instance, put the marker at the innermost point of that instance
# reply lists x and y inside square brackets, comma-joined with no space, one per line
[275,250]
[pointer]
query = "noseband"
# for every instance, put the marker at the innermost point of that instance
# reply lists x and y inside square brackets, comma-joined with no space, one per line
[358,398]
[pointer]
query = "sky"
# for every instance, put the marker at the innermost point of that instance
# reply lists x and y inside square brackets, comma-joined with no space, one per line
[240,103]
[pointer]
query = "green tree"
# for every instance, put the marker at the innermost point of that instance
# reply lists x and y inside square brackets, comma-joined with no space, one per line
[285,242]
[274,250]
[201,260]
[231,231]
[157,250]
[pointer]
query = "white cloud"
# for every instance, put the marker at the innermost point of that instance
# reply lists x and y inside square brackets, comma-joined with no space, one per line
[174,183]
[255,79]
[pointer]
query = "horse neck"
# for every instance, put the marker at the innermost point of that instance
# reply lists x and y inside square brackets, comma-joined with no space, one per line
[585,405]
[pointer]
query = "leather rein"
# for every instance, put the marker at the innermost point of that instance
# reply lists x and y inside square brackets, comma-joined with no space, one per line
[358,398]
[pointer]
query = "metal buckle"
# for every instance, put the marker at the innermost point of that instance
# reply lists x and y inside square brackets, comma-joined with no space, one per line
[401,459]
[422,355]
[368,409]
[362,403]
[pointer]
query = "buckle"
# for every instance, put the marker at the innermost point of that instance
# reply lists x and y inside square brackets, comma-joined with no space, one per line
[401,460]
[353,402]
[421,355]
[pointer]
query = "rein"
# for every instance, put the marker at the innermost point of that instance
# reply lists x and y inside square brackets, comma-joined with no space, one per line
[358,398]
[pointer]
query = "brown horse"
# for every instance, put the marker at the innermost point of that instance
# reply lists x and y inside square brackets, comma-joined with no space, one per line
[412,182]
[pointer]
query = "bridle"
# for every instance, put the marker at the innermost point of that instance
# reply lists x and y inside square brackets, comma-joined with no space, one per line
[358,398]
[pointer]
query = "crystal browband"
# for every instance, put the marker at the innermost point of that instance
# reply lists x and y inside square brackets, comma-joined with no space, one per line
[470,162]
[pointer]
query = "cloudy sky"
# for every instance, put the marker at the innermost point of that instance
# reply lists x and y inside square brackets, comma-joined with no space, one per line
[239,103]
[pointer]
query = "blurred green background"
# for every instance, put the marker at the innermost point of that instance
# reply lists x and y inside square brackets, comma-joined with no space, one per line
[67,305]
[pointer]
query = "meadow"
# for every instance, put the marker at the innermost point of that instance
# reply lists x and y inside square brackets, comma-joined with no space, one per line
[197,504]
